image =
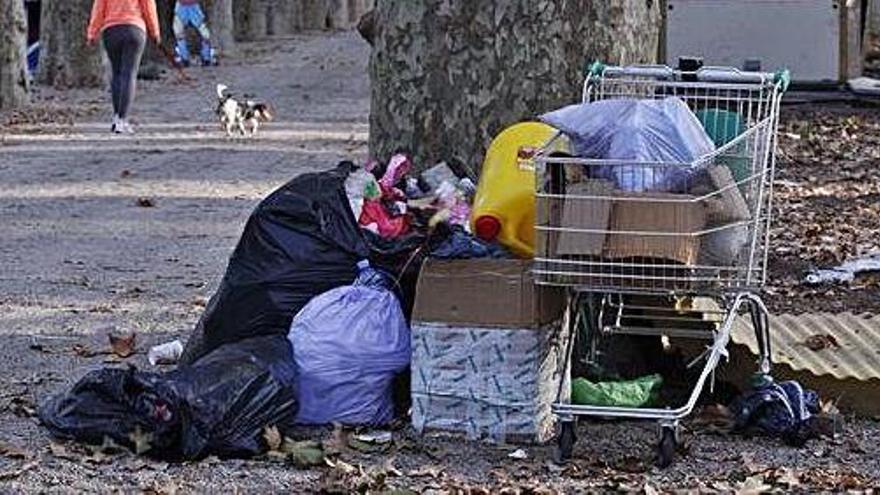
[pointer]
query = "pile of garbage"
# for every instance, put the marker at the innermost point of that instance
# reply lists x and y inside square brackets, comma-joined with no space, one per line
[308,326]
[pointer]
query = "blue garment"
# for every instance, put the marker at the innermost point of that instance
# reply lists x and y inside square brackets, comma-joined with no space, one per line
[462,245]
[192,15]
[33,57]
[779,409]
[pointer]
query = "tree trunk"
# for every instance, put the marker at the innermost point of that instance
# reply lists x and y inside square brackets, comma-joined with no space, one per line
[155,60]
[260,18]
[250,19]
[13,55]
[65,58]
[448,75]
[221,22]
[315,14]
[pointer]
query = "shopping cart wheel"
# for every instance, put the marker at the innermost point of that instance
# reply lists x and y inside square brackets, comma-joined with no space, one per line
[667,446]
[565,442]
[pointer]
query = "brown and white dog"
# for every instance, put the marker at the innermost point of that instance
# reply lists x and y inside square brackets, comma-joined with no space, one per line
[241,116]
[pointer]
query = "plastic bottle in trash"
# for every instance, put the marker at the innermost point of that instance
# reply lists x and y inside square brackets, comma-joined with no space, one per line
[167,353]
[504,205]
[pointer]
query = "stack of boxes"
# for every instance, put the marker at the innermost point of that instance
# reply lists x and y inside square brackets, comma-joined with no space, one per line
[488,351]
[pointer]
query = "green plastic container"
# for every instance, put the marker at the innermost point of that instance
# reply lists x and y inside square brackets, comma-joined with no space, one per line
[723,126]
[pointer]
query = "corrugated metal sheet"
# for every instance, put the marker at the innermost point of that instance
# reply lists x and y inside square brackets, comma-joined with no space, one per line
[857,354]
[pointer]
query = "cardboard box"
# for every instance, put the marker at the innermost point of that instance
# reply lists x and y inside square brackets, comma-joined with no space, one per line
[585,214]
[660,217]
[595,207]
[485,292]
[488,383]
[629,221]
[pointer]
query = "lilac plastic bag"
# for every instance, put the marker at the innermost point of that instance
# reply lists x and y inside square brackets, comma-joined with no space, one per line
[348,344]
[639,130]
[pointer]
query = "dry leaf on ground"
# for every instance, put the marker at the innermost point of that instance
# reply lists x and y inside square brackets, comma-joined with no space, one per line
[272,437]
[123,345]
[821,341]
[15,473]
[13,452]
[141,440]
[304,454]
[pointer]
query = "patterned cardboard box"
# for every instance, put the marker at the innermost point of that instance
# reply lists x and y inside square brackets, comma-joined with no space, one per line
[495,383]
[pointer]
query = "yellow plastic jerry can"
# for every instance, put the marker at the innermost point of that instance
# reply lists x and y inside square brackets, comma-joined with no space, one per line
[504,205]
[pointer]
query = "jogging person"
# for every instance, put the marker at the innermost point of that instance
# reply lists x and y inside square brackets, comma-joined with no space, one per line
[124,26]
[189,13]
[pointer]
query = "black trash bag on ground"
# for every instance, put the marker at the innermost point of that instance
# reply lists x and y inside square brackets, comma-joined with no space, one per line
[300,241]
[218,405]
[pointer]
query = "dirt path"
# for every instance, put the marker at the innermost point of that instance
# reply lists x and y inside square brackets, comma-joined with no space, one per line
[79,256]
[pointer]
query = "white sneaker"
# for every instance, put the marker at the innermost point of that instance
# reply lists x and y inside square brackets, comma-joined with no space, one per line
[116,126]
[126,127]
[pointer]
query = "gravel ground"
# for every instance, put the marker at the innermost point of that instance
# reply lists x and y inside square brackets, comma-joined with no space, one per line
[79,257]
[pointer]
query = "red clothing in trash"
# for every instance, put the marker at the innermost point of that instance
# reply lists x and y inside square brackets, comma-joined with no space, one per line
[374,212]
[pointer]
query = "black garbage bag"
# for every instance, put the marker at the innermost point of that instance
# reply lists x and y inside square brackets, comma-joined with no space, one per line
[217,405]
[300,241]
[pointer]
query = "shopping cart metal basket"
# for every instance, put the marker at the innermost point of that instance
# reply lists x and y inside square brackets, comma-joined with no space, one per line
[642,257]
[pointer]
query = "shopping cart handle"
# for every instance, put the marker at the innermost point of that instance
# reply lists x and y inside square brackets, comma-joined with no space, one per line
[595,70]
[782,77]
[599,69]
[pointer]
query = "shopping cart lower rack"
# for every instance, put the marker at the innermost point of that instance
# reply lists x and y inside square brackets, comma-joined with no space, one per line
[641,256]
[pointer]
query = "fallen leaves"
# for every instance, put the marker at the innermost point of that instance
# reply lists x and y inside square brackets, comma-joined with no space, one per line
[89,454]
[15,473]
[821,341]
[83,350]
[141,440]
[61,451]
[122,345]
[272,437]
[45,113]
[145,202]
[787,478]
[825,206]
[431,471]
[13,452]
[834,479]
[22,407]
[304,454]
[714,418]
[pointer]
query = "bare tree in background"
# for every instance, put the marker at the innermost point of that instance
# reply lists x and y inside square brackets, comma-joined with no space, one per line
[13,54]
[447,75]
[221,21]
[65,58]
[256,19]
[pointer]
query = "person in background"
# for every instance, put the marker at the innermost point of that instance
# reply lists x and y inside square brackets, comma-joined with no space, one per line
[124,26]
[189,13]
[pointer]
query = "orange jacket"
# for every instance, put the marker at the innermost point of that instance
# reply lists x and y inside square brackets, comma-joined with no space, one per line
[140,13]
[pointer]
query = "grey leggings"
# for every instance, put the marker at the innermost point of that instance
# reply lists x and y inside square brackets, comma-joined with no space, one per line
[125,45]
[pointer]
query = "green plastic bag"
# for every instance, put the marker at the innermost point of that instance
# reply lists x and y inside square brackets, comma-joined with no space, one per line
[634,393]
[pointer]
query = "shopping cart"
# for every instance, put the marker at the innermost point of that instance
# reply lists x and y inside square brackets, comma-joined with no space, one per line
[680,263]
